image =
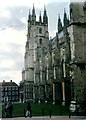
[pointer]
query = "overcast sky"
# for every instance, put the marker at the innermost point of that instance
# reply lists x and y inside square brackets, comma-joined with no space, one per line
[13,31]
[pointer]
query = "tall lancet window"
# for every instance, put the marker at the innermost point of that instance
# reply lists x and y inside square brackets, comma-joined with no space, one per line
[40,30]
[40,41]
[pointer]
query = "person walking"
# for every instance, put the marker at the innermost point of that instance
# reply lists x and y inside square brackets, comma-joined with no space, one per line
[9,109]
[28,111]
[5,109]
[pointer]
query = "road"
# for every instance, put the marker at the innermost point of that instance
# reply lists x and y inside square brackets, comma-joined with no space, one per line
[48,118]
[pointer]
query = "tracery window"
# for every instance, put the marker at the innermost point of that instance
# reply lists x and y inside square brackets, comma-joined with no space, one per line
[40,30]
[40,41]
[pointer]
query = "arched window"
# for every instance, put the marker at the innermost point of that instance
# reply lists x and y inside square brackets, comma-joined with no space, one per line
[71,12]
[40,30]
[40,41]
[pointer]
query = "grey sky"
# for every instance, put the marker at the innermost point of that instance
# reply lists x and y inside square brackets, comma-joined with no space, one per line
[13,38]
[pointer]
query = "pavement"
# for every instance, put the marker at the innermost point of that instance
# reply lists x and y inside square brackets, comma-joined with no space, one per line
[48,118]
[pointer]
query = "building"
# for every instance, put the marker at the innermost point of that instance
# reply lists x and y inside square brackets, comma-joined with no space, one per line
[9,91]
[35,51]
[55,69]
[78,51]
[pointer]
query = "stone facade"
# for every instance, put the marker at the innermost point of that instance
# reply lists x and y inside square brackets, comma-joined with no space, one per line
[35,56]
[78,63]
[56,68]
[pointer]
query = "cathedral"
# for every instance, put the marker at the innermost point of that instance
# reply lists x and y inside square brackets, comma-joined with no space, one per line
[55,69]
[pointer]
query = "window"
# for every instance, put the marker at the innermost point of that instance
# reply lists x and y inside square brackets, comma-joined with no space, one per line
[40,41]
[13,88]
[9,98]
[16,98]
[16,88]
[5,93]
[2,93]
[9,88]
[13,93]
[2,88]
[16,92]
[9,93]
[5,88]
[40,30]
[2,99]
[13,98]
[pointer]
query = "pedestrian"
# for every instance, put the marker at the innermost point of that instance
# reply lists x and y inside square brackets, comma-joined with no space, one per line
[28,111]
[5,109]
[9,109]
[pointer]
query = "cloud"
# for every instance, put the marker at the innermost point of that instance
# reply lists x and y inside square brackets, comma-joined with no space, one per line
[4,13]
[11,17]
[11,53]
[37,3]
[13,30]
[11,75]
[57,8]
[6,63]
[19,15]
[77,1]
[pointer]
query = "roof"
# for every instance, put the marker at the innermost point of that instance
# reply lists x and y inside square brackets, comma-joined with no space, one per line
[8,84]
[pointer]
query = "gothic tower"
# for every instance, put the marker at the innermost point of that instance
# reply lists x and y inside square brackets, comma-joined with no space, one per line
[60,28]
[37,40]
[77,30]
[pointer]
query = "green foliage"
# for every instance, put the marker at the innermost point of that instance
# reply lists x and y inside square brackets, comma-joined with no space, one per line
[40,109]
[18,109]
[0,110]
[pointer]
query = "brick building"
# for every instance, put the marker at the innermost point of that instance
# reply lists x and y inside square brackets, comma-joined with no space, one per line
[9,91]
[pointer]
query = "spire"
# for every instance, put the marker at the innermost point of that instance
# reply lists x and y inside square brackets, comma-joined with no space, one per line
[68,21]
[45,18]
[59,24]
[40,19]
[33,15]
[45,10]
[29,17]
[33,10]
[65,20]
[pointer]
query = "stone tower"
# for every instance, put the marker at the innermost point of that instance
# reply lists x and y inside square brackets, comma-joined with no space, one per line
[55,70]
[78,50]
[35,49]
[64,49]
[72,44]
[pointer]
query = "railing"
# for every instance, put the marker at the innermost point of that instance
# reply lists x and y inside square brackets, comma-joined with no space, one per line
[50,113]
